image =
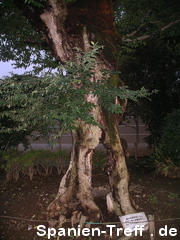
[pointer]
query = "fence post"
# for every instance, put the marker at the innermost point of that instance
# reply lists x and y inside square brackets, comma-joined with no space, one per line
[151,226]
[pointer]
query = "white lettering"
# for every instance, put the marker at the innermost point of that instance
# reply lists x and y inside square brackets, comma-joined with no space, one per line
[118,231]
[74,231]
[172,231]
[94,230]
[111,227]
[41,230]
[85,231]
[127,232]
[61,232]
[138,230]
[163,231]
[79,231]
[51,232]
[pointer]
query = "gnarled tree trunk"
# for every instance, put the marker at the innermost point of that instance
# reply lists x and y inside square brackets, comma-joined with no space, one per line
[76,25]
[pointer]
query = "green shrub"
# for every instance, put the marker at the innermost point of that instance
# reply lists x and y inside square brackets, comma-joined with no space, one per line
[28,163]
[61,161]
[34,162]
[12,167]
[167,154]
[45,159]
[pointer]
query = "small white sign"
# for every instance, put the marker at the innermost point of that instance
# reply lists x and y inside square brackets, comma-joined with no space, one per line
[132,220]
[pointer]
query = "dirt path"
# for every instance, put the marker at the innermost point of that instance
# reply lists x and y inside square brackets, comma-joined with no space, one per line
[29,199]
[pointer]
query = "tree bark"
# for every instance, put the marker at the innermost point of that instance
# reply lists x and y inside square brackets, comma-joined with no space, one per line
[76,25]
[118,173]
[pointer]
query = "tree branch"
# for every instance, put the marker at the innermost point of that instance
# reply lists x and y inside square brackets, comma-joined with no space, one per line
[170,24]
[124,39]
[139,28]
[39,43]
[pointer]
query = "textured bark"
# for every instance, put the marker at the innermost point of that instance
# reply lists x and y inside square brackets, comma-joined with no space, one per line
[118,173]
[76,25]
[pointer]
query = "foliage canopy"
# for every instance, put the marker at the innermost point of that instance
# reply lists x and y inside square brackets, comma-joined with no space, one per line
[147,28]
[54,102]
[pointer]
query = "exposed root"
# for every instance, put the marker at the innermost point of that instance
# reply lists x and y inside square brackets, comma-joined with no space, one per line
[76,216]
[112,206]
[82,221]
[56,213]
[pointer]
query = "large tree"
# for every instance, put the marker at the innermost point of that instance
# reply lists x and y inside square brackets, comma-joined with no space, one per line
[70,25]
[66,26]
